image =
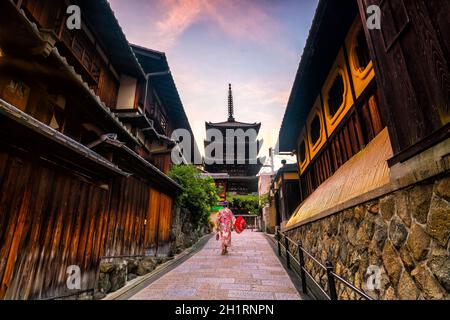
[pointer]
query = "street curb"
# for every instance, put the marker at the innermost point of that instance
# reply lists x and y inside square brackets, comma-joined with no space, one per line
[140,283]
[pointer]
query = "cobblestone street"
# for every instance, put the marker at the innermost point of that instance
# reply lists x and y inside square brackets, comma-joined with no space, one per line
[250,271]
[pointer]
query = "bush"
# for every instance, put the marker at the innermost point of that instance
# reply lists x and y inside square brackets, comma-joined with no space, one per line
[199,193]
[251,203]
[248,203]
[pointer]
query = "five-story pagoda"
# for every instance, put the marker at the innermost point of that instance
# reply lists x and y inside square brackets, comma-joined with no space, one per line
[231,154]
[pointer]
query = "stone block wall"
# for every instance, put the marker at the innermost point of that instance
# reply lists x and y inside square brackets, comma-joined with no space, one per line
[116,272]
[405,234]
[184,232]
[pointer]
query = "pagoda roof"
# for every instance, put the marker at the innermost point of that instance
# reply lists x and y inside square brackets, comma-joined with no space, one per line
[233,124]
[252,169]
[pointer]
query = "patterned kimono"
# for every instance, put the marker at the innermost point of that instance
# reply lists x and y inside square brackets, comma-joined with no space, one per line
[225,220]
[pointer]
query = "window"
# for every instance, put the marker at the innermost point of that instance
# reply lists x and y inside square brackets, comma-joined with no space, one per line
[364,123]
[315,129]
[336,95]
[362,51]
[302,151]
[84,51]
[16,93]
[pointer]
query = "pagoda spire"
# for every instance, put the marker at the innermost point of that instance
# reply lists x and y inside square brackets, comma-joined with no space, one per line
[230,104]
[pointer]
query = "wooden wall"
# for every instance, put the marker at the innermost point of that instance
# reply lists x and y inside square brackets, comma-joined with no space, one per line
[128,211]
[49,219]
[411,57]
[159,221]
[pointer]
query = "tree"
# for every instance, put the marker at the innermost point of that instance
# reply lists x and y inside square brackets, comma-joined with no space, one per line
[251,203]
[199,193]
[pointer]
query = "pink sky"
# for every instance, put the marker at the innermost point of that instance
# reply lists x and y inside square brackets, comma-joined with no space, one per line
[254,44]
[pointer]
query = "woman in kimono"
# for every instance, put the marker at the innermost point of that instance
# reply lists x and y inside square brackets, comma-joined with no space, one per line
[225,222]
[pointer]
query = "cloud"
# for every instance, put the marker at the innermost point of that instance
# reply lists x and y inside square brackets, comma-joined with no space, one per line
[179,16]
[166,20]
[261,66]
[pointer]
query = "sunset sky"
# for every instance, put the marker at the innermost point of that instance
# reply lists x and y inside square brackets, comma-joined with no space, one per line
[255,45]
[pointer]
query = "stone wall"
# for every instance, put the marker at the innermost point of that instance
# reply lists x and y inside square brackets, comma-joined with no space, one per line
[114,273]
[405,234]
[185,232]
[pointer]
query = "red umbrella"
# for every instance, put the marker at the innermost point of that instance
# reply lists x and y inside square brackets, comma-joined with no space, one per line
[240,224]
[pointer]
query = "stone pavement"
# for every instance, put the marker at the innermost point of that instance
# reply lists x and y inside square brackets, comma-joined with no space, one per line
[251,270]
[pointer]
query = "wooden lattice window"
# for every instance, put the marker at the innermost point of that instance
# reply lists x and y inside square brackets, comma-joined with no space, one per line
[316,128]
[302,152]
[362,51]
[363,124]
[336,95]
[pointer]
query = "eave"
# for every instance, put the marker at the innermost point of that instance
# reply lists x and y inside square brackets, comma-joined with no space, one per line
[135,163]
[102,20]
[331,22]
[40,42]
[22,130]
[107,113]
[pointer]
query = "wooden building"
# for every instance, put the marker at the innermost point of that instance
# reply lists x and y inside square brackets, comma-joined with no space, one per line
[80,120]
[368,119]
[284,195]
[234,175]
[357,110]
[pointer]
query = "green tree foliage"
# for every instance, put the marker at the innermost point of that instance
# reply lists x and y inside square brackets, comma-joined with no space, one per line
[264,200]
[199,193]
[251,203]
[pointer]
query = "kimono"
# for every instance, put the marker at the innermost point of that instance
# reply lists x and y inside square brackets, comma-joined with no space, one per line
[224,222]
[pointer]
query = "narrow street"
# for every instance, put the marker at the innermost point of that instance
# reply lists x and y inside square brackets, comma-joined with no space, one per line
[250,271]
[130,130]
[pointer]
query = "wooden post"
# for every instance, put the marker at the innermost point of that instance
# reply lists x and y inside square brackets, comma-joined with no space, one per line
[301,259]
[288,257]
[278,238]
[331,282]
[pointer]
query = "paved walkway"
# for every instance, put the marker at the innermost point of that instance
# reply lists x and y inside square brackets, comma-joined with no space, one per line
[250,271]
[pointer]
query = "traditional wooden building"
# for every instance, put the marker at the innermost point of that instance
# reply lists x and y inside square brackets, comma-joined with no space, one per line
[233,174]
[81,178]
[368,118]
[284,195]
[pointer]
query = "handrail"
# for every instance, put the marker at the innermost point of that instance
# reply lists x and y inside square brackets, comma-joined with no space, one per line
[351,286]
[328,267]
[313,258]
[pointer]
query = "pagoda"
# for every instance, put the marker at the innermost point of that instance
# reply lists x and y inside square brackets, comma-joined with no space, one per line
[235,175]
